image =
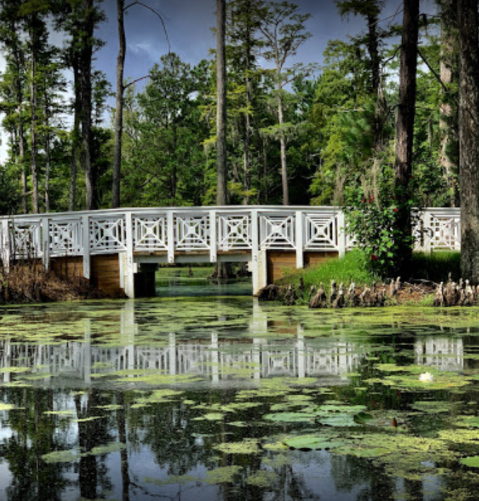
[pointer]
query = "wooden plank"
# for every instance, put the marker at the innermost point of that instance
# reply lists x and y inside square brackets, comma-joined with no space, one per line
[105,274]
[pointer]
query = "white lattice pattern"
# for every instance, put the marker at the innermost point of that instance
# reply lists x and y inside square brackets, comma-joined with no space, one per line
[26,239]
[192,232]
[107,235]
[234,232]
[150,233]
[321,232]
[440,232]
[66,238]
[277,232]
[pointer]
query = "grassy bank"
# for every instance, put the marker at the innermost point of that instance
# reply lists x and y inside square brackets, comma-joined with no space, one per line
[354,268]
[28,283]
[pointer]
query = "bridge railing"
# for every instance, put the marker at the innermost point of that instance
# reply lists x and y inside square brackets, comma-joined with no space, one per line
[202,229]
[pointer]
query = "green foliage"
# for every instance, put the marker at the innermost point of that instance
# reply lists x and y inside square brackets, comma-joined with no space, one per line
[353,267]
[374,223]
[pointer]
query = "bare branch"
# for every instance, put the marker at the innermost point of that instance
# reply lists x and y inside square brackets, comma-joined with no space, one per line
[158,14]
[129,84]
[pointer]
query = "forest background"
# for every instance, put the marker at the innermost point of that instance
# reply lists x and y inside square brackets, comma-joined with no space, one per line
[329,127]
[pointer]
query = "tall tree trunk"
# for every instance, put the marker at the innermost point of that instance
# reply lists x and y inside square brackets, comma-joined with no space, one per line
[47,155]
[86,105]
[75,136]
[221,163]
[448,39]
[282,140]
[469,137]
[33,112]
[374,52]
[405,126]
[120,65]
[19,62]
[247,124]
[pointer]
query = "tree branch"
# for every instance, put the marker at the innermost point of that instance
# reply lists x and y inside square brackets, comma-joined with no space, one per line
[158,14]
[129,84]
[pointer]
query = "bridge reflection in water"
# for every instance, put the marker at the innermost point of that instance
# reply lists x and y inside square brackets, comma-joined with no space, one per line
[212,356]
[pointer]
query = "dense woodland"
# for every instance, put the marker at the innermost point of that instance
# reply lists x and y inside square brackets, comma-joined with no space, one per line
[328,128]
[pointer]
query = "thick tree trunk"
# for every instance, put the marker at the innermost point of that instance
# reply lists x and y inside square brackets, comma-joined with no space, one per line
[33,123]
[75,138]
[448,49]
[86,105]
[405,126]
[374,52]
[469,137]
[120,65]
[221,165]
[282,140]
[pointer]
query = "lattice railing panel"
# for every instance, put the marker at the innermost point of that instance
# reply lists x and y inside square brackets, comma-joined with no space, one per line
[26,239]
[66,238]
[436,231]
[192,232]
[234,232]
[107,235]
[321,232]
[150,233]
[277,232]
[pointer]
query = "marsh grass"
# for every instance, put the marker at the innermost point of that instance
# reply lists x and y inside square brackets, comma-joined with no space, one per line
[29,282]
[436,266]
[353,267]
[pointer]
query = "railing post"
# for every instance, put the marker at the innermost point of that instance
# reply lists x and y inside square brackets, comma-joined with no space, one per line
[259,263]
[170,217]
[46,242]
[213,238]
[129,265]
[428,232]
[5,244]
[86,246]
[341,222]
[299,240]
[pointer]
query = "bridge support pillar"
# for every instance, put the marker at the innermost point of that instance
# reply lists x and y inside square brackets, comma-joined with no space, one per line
[260,271]
[127,274]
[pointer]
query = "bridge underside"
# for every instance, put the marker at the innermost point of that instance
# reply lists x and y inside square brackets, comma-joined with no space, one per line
[111,274]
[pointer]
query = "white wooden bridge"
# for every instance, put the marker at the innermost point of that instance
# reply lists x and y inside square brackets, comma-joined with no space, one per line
[113,247]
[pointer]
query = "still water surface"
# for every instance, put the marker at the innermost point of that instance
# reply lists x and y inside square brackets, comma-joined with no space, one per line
[224,398]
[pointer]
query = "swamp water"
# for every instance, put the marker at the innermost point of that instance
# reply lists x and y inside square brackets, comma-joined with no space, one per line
[227,398]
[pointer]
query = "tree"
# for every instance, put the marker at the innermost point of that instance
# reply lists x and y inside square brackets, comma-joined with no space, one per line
[221,162]
[370,10]
[469,136]
[120,65]
[284,32]
[405,127]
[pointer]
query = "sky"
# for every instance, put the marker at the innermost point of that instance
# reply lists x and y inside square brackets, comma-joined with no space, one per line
[189,25]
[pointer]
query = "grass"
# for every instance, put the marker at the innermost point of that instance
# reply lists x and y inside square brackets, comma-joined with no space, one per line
[354,268]
[436,266]
[183,271]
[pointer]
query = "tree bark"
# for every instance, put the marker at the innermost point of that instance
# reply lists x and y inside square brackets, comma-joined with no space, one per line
[448,42]
[120,66]
[282,140]
[374,52]
[33,123]
[86,105]
[75,137]
[469,137]
[47,154]
[405,127]
[221,163]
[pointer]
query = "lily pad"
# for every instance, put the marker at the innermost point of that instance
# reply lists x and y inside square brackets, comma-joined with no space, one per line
[315,443]
[291,417]
[472,461]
